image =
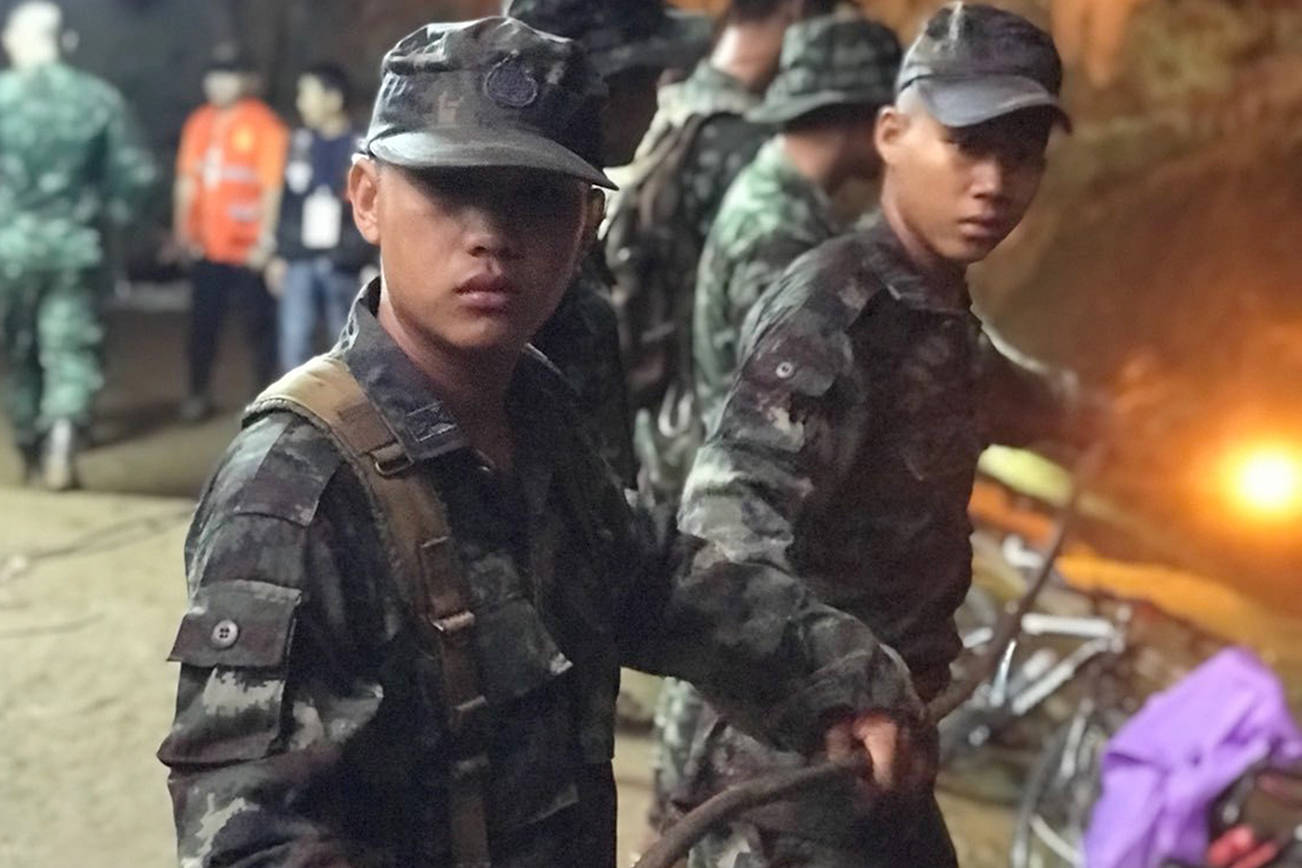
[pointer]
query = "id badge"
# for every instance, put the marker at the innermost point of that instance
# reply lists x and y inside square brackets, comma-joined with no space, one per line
[323,215]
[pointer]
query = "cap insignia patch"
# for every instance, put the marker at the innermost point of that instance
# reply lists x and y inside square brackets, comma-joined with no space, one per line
[510,84]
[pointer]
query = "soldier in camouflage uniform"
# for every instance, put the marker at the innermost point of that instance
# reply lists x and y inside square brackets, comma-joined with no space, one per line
[70,162]
[357,691]
[837,71]
[845,450]
[630,42]
[701,132]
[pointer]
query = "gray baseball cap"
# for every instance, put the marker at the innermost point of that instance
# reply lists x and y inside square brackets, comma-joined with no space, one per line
[838,59]
[973,63]
[489,93]
[621,34]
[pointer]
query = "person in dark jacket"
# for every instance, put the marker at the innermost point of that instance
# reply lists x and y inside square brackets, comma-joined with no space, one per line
[319,252]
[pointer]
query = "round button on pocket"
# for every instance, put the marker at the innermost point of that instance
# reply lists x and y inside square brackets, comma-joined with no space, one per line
[784,370]
[225,634]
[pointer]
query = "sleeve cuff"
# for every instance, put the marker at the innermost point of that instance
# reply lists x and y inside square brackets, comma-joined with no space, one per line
[863,681]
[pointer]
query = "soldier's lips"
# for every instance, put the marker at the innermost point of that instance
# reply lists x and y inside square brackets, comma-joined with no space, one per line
[488,292]
[990,228]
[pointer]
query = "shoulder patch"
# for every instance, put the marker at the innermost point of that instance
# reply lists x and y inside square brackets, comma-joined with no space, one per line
[288,465]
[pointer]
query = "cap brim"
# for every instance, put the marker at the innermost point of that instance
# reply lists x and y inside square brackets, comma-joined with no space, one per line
[456,148]
[682,40]
[967,102]
[785,111]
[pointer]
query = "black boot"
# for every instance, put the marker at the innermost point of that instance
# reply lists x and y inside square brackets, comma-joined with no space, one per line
[59,466]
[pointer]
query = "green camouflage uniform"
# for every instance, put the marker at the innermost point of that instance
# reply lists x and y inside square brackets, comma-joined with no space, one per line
[70,162]
[845,453]
[771,215]
[726,142]
[582,337]
[317,737]
[311,726]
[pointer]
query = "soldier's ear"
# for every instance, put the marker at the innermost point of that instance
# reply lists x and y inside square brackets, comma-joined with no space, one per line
[593,213]
[364,194]
[888,131]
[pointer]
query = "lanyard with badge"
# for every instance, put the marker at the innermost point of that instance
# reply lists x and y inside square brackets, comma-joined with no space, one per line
[323,210]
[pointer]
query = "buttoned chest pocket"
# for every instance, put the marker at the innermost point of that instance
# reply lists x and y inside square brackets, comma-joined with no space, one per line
[233,643]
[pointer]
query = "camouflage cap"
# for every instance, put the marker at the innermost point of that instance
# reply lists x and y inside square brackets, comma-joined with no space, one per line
[621,34]
[492,92]
[838,59]
[973,62]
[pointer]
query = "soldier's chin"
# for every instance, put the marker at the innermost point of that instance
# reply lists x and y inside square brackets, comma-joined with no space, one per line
[967,250]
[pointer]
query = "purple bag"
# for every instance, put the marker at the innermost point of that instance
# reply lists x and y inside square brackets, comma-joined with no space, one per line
[1165,768]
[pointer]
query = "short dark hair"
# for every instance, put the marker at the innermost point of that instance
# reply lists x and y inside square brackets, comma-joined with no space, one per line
[229,57]
[758,10]
[839,114]
[332,77]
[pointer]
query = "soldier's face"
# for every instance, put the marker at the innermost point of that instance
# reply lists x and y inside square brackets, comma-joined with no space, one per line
[860,158]
[962,190]
[474,260]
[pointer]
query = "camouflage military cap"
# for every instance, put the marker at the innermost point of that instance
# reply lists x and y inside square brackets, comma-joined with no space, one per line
[621,34]
[492,92]
[973,62]
[838,59]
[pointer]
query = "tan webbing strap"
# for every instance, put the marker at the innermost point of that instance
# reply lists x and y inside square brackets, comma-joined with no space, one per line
[425,561]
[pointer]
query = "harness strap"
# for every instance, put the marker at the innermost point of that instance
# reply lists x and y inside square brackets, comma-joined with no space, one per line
[424,559]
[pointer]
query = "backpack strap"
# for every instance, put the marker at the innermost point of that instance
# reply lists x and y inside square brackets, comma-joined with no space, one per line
[422,555]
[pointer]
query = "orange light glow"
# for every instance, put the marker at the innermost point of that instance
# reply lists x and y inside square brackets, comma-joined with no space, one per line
[1268,481]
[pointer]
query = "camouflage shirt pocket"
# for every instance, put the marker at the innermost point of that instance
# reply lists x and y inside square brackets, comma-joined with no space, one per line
[233,645]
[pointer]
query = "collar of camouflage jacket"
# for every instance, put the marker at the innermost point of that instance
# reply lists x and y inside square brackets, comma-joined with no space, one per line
[404,397]
[903,279]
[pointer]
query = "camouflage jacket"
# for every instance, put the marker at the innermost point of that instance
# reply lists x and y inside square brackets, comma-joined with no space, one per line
[582,340]
[846,448]
[713,93]
[724,143]
[770,216]
[308,727]
[70,160]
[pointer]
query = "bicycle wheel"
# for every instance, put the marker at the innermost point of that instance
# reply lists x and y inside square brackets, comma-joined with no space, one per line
[1060,794]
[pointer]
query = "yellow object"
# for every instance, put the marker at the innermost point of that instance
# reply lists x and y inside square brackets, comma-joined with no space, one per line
[1212,605]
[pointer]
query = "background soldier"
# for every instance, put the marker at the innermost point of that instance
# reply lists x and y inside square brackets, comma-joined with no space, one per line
[631,43]
[846,448]
[697,143]
[412,579]
[837,71]
[70,161]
